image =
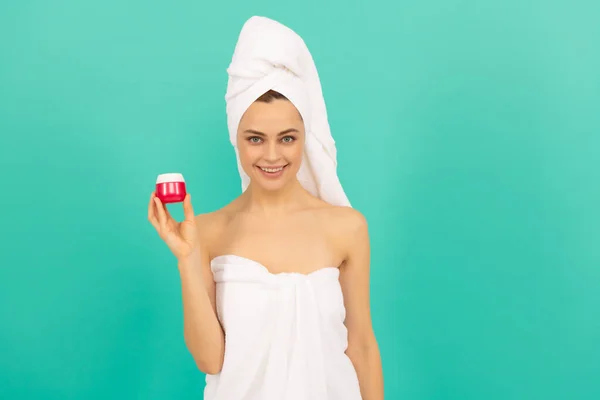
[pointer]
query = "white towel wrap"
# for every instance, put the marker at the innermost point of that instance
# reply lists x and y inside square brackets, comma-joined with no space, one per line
[270,56]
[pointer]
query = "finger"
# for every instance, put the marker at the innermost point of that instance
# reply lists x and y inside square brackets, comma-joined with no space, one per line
[170,220]
[167,213]
[152,213]
[151,206]
[162,218]
[188,210]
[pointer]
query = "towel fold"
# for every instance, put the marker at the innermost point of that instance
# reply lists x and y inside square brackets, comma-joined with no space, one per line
[270,56]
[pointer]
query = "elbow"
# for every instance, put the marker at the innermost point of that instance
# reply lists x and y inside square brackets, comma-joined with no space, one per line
[208,357]
[362,346]
[209,367]
[209,363]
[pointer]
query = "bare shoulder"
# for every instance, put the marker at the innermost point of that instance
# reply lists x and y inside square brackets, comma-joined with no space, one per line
[344,219]
[209,220]
[347,229]
[216,219]
[210,225]
[349,234]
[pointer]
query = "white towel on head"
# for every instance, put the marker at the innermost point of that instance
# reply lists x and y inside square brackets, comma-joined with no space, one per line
[270,56]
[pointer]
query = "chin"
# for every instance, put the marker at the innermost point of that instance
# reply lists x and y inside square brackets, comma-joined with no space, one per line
[271,187]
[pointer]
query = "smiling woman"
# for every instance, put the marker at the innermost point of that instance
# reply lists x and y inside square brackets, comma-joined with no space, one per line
[283,270]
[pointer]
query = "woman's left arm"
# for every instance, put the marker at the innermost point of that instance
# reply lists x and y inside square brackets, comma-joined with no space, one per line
[363,349]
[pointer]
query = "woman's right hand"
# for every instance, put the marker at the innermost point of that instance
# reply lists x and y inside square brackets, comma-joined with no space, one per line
[181,237]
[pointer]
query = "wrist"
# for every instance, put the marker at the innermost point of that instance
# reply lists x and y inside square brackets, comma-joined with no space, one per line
[192,260]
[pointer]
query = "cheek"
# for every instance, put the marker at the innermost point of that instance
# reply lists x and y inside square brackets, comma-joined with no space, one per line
[295,153]
[249,154]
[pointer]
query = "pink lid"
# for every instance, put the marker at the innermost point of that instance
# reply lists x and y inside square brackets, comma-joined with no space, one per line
[170,177]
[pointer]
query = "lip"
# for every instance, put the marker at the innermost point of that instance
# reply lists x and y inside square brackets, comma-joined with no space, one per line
[272,175]
[272,166]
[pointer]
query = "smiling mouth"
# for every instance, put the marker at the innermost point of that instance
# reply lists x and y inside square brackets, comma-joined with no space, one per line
[272,170]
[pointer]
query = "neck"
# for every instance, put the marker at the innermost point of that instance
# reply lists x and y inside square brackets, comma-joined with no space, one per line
[277,202]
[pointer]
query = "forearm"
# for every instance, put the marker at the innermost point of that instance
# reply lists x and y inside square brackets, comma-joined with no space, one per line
[367,362]
[202,331]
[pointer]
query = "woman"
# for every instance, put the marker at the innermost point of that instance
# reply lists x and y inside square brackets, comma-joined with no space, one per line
[275,285]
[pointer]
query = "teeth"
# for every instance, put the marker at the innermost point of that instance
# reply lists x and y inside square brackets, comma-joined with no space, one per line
[271,169]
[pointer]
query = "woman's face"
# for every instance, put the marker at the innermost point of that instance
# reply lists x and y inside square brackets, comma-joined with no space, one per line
[270,142]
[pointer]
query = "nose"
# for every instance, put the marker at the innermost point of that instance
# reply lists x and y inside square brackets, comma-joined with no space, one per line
[271,152]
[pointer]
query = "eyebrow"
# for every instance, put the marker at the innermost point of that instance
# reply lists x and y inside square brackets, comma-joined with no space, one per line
[252,131]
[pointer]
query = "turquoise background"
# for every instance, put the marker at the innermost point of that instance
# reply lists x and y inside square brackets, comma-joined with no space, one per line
[468,133]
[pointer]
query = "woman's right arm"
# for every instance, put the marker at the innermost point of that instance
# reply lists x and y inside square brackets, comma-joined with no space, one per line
[203,334]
